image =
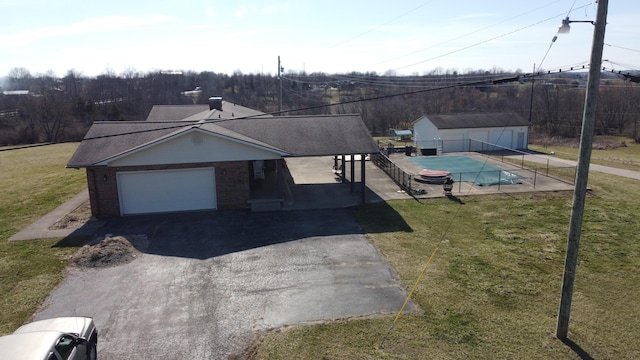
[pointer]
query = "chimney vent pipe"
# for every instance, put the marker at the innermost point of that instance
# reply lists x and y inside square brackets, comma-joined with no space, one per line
[215,103]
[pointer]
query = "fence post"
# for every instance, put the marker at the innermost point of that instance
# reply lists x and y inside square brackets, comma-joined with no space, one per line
[499,179]
[460,183]
[522,165]
[535,176]
[547,167]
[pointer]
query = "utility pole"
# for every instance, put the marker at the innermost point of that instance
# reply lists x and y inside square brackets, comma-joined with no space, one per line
[582,171]
[279,86]
[533,84]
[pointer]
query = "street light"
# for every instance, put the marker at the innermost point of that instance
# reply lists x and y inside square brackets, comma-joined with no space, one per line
[582,170]
[564,28]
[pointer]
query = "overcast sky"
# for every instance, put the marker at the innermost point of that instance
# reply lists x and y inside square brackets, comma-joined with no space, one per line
[331,36]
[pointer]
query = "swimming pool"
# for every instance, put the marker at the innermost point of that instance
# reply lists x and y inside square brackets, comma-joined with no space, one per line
[465,168]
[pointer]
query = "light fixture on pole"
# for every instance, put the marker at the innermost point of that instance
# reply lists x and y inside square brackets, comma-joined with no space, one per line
[564,28]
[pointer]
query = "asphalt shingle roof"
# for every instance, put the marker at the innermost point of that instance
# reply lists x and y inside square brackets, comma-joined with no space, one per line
[293,135]
[174,112]
[200,112]
[476,120]
[309,135]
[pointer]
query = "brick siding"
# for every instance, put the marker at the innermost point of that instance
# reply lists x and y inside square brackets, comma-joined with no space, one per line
[232,185]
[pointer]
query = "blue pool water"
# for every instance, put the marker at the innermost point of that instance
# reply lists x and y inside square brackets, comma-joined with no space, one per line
[465,168]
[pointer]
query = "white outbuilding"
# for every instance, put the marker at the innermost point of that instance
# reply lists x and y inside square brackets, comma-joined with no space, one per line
[470,132]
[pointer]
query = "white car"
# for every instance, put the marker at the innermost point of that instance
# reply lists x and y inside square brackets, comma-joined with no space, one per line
[63,338]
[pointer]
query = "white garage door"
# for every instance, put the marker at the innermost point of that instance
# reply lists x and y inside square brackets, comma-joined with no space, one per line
[502,138]
[143,192]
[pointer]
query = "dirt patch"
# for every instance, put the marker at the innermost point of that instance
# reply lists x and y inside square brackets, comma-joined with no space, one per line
[75,219]
[110,251]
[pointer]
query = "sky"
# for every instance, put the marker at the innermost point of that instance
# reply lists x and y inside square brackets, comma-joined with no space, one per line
[332,36]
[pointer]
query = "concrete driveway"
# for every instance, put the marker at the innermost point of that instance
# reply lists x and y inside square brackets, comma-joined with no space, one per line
[208,281]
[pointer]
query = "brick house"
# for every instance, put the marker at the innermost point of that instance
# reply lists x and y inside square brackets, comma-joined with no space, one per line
[195,157]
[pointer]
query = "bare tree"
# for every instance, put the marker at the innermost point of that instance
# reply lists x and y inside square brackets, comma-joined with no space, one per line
[48,116]
[19,78]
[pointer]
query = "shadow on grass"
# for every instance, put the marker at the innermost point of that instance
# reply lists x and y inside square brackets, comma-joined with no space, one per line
[380,218]
[577,349]
[73,241]
[455,199]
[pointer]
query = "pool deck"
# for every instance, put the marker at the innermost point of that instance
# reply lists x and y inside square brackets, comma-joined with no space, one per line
[532,181]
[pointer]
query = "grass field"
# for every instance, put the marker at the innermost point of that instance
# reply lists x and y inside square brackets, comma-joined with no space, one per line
[493,288]
[34,182]
[491,291]
[623,157]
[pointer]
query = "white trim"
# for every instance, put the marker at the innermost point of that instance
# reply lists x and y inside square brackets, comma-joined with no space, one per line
[172,136]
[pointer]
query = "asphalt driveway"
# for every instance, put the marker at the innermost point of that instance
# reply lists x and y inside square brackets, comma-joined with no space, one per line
[208,281]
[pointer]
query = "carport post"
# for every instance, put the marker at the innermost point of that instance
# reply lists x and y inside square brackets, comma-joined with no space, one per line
[342,168]
[353,171]
[363,186]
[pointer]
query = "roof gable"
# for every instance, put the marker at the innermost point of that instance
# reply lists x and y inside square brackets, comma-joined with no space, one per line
[191,146]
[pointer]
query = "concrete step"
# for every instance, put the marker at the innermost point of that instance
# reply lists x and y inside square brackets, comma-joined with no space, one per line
[266,204]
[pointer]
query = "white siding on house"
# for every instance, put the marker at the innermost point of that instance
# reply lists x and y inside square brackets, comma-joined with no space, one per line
[425,134]
[192,147]
[454,140]
[479,139]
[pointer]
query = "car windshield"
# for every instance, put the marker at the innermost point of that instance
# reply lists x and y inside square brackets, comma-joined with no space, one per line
[65,346]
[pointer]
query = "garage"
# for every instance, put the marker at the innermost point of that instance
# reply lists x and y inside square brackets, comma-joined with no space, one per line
[144,192]
[471,131]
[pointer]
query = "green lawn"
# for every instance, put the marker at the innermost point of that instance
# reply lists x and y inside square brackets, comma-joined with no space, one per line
[34,182]
[493,288]
[623,157]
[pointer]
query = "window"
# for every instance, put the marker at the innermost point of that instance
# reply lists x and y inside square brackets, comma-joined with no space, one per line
[65,346]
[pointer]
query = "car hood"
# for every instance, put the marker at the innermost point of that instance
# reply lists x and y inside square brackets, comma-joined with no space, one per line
[81,326]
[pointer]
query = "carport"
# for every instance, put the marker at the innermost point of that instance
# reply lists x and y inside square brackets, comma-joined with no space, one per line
[342,137]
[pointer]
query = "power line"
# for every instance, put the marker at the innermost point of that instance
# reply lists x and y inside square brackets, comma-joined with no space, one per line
[461,36]
[488,82]
[621,47]
[479,43]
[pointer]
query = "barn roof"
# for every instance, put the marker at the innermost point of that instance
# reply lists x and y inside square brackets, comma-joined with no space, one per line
[476,120]
[289,135]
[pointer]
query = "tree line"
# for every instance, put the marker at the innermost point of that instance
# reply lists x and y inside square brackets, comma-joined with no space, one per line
[46,108]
